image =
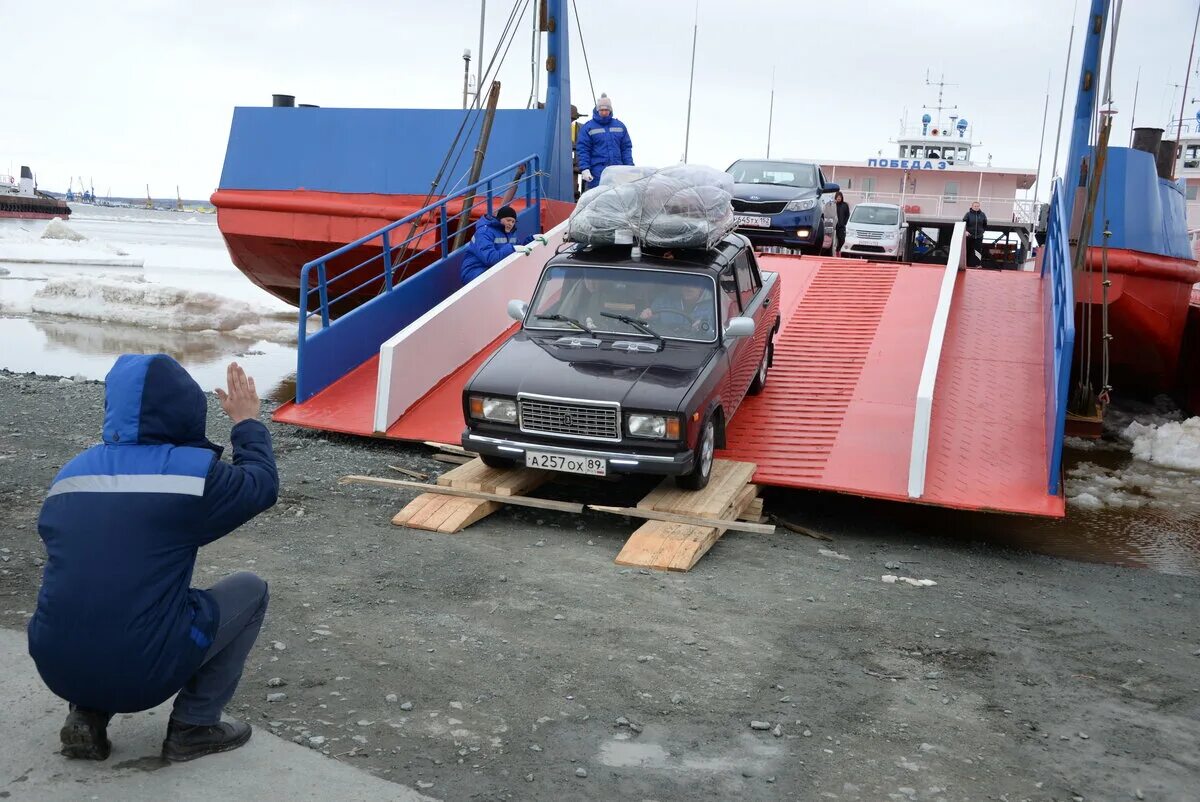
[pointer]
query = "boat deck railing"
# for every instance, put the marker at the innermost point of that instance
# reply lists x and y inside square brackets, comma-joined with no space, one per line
[1059,304]
[1015,210]
[388,278]
[431,232]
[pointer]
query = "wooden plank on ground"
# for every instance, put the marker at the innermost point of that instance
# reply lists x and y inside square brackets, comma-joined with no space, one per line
[474,475]
[669,546]
[437,512]
[754,512]
[671,517]
[728,478]
[519,501]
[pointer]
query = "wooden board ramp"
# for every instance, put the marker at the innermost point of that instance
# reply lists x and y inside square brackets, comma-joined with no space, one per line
[437,512]
[667,546]
[675,542]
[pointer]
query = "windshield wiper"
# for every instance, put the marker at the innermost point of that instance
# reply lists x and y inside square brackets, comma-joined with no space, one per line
[571,320]
[637,324]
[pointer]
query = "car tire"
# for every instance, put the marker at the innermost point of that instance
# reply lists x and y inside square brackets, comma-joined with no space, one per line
[760,378]
[502,463]
[702,463]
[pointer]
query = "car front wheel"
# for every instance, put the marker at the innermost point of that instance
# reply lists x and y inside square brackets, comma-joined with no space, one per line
[760,378]
[702,462]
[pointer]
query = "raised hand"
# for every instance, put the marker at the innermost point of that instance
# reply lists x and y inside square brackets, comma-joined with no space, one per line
[241,401]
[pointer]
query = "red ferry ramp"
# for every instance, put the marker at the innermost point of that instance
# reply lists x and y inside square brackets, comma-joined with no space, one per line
[842,401]
[916,383]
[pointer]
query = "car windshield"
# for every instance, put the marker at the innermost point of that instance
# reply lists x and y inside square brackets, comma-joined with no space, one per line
[801,176]
[672,304]
[876,215]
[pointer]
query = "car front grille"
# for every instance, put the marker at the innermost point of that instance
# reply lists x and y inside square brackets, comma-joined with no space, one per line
[570,419]
[859,233]
[758,207]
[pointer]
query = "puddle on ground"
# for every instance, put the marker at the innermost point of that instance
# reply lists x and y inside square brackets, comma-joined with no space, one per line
[644,752]
[147,763]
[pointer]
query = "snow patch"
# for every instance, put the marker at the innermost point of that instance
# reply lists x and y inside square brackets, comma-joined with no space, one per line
[57,229]
[131,300]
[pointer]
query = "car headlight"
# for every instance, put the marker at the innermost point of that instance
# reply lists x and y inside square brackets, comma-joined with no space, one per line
[800,205]
[658,427]
[501,410]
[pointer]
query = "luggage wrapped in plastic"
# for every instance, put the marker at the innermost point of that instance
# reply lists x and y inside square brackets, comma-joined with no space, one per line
[619,174]
[685,206]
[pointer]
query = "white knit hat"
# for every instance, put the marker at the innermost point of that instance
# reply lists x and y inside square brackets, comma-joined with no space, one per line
[604,102]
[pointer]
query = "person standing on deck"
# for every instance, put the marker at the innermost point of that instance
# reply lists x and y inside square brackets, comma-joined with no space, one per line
[976,222]
[603,141]
[842,217]
[493,242]
[117,628]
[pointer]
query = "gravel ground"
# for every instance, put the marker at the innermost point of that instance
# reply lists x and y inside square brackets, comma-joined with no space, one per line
[517,661]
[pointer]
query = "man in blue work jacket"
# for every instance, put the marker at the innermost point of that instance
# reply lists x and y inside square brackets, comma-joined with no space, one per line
[495,239]
[117,627]
[602,142]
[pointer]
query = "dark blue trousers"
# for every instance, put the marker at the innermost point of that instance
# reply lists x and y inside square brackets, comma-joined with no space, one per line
[242,600]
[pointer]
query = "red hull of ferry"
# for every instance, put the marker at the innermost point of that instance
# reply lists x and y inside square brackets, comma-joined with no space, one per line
[1148,304]
[1189,363]
[272,234]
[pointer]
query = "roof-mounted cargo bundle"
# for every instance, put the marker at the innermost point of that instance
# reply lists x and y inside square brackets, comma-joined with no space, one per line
[685,206]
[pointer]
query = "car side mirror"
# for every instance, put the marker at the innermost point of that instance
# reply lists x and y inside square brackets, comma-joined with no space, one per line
[517,309]
[739,327]
[830,188]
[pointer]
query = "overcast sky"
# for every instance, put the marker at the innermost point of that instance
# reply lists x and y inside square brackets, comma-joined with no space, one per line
[136,92]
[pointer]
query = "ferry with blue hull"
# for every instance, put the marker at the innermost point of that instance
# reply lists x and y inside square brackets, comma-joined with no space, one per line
[301,181]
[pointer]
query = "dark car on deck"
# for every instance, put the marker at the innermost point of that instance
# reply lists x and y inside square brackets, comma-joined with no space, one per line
[778,203]
[627,365]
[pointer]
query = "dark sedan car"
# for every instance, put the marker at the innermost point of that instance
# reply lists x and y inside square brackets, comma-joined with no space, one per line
[778,203]
[627,366]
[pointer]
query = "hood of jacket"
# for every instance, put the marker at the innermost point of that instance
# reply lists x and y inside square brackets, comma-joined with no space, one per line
[149,399]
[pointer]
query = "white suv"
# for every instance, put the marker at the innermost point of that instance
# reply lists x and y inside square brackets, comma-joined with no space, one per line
[875,231]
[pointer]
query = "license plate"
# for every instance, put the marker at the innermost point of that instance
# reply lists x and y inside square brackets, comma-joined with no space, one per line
[751,220]
[590,466]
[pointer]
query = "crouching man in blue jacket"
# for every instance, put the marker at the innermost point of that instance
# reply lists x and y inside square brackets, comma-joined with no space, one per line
[495,240]
[117,627]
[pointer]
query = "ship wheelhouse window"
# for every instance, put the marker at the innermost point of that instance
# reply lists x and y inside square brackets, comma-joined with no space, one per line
[918,152]
[1191,157]
[904,151]
[933,153]
[962,154]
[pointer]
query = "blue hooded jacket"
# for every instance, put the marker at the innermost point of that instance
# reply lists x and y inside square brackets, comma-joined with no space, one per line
[117,627]
[488,247]
[602,143]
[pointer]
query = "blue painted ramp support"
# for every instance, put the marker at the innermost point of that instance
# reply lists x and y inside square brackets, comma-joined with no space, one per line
[1059,309]
[338,346]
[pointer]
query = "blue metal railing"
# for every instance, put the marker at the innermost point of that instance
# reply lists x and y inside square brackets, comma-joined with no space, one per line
[1059,302]
[413,268]
[434,219]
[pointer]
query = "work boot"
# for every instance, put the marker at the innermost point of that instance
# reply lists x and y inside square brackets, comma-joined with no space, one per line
[190,741]
[85,734]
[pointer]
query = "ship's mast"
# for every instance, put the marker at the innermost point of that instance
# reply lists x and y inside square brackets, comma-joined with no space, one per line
[941,85]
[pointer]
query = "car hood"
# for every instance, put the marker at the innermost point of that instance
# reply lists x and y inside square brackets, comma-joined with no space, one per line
[771,192]
[535,364]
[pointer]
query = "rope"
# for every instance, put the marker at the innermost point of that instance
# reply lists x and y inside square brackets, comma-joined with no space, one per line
[583,45]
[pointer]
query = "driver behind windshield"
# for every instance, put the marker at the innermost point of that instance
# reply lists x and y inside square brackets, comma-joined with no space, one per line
[677,308]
